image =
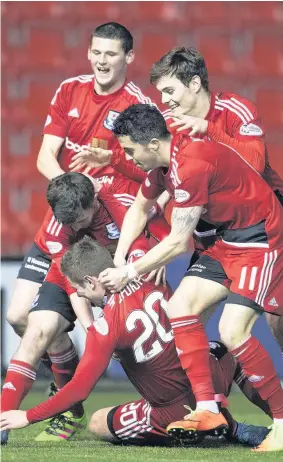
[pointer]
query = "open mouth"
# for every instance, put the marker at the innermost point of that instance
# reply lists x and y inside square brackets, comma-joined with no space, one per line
[103,70]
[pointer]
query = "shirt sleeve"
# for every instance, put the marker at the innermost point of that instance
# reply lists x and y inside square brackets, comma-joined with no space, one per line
[57,122]
[243,132]
[193,184]
[100,344]
[152,186]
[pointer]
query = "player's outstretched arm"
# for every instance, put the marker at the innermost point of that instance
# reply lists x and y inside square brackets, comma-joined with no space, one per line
[184,222]
[47,163]
[133,224]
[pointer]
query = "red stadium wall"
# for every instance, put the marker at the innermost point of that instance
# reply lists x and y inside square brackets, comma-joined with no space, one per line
[45,42]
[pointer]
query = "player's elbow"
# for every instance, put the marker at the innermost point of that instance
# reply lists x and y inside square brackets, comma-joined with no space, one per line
[178,243]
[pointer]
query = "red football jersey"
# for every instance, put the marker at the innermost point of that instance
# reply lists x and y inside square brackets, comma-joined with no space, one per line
[234,196]
[235,121]
[133,325]
[115,197]
[85,119]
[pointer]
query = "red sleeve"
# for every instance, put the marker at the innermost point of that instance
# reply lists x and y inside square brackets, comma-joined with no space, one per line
[57,122]
[243,132]
[193,182]
[100,344]
[127,168]
[152,187]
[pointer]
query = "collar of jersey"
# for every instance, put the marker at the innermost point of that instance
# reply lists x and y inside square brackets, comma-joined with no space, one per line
[100,98]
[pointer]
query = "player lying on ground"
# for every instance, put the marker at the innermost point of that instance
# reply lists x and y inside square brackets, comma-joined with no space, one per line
[200,175]
[134,327]
[80,207]
[81,115]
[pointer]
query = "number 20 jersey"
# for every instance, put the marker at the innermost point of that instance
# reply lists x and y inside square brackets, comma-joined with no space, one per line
[143,339]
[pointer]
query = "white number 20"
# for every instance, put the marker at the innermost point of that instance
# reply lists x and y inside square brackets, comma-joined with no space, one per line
[150,319]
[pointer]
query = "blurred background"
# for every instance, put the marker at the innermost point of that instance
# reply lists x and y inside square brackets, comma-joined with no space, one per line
[46,42]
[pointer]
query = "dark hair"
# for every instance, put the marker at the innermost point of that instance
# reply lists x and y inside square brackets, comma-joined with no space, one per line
[141,122]
[182,63]
[114,31]
[68,195]
[85,258]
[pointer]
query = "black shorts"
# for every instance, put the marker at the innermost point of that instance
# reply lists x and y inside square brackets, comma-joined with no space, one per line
[51,297]
[35,265]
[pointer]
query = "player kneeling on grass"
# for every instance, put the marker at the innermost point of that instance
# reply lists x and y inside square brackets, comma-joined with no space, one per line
[133,324]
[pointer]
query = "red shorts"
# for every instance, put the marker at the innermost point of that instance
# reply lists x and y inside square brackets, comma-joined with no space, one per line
[254,275]
[138,422]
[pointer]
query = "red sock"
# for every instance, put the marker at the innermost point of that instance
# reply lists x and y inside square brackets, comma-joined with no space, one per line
[64,365]
[259,369]
[193,351]
[19,380]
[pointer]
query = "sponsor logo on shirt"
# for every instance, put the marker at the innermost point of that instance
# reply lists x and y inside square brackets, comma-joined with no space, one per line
[76,147]
[110,119]
[48,120]
[113,231]
[250,130]
[181,195]
[99,143]
[54,247]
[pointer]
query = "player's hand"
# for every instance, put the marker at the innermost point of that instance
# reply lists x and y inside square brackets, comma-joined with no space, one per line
[159,276]
[90,158]
[114,279]
[195,125]
[13,419]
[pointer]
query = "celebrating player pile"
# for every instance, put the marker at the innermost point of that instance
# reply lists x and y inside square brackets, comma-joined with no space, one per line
[244,265]
[239,254]
[133,325]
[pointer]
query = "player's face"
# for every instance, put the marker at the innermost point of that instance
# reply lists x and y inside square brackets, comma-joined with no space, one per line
[181,99]
[90,289]
[143,156]
[109,62]
[85,218]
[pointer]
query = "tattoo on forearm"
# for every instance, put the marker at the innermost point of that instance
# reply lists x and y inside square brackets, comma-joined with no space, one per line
[185,220]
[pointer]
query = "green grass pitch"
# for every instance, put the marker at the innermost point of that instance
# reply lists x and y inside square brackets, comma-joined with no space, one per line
[83,447]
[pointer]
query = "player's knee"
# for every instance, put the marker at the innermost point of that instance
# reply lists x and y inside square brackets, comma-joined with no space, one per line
[37,337]
[232,336]
[99,427]
[17,320]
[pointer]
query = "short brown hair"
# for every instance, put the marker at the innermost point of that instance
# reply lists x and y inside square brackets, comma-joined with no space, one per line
[182,63]
[85,258]
[114,31]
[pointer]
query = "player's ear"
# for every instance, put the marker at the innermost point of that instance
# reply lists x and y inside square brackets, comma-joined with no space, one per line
[88,53]
[130,56]
[153,145]
[195,84]
[89,280]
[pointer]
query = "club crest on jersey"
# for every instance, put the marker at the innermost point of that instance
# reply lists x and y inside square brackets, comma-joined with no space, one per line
[250,130]
[110,119]
[181,196]
[113,231]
